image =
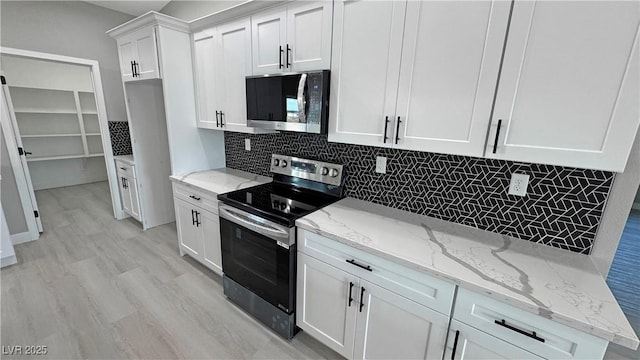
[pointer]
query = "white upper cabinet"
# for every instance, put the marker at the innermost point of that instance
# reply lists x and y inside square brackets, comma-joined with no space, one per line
[450,62]
[139,55]
[292,38]
[421,81]
[365,64]
[569,88]
[222,60]
[269,35]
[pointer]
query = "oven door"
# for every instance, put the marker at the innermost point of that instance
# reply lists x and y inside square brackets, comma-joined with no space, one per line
[259,255]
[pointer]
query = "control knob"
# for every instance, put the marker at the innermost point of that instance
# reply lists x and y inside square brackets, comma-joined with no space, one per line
[334,172]
[284,163]
[276,162]
[325,171]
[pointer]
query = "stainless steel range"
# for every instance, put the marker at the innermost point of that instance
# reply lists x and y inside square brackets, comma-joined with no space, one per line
[258,235]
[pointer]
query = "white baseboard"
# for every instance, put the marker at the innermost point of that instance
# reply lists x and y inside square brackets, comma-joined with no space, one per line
[22,238]
[8,260]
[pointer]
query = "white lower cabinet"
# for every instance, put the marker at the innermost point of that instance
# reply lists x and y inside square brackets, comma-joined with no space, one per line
[198,227]
[466,342]
[129,190]
[361,320]
[390,326]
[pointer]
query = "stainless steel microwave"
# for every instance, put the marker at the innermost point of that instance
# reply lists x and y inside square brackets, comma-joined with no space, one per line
[289,102]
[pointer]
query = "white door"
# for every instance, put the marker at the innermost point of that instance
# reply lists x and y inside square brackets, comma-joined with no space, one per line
[450,61]
[233,64]
[147,55]
[189,235]
[569,88]
[210,224]
[327,304]
[268,36]
[127,55]
[11,135]
[309,36]
[466,343]
[365,66]
[390,326]
[207,100]
[132,187]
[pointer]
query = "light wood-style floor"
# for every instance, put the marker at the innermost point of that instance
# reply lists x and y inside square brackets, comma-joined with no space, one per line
[94,287]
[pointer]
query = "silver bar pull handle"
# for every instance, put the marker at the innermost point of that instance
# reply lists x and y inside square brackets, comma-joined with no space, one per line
[241,219]
[302,116]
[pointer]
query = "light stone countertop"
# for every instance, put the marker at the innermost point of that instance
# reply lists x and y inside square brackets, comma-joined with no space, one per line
[125,158]
[554,283]
[220,181]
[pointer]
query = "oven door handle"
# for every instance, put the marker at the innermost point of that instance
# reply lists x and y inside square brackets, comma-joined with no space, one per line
[302,115]
[248,220]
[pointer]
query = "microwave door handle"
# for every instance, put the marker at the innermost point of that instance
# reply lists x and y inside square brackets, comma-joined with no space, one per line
[301,103]
[261,228]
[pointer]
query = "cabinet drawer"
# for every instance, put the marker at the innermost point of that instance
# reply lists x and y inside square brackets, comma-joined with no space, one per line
[560,341]
[126,169]
[424,289]
[195,197]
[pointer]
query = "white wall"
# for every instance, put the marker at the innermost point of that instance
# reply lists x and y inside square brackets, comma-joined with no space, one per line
[189,10]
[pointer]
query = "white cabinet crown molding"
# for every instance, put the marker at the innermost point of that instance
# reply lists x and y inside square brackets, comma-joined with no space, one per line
[246,8]
[149,19]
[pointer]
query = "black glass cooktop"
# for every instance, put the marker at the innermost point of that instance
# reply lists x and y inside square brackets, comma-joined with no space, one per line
[281,203]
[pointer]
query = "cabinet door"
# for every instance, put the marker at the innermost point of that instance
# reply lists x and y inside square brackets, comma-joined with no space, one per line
[268,34]
[132,187]
[365,65]
[309,36]
[126,53]
[326,304]
[569,88]
[189,236]
[147,54]
[390,326]
[211,240]
[450,61]
[207,100]
[470,343]
[233,64]
[125,193]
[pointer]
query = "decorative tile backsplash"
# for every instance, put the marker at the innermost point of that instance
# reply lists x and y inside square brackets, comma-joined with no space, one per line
[120,138]
[563,206]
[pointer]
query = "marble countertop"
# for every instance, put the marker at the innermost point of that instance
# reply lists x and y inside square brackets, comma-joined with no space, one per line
[219,181]
[557,284]
[125,158]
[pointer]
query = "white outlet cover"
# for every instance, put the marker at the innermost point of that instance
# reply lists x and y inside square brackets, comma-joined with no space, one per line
[247,144]
[381,165]
[519,184]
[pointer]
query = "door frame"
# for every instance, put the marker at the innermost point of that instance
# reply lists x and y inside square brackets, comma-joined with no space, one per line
[112,176]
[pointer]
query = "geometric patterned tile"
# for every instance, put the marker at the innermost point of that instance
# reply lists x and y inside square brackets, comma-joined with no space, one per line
[120,138]
[563,206]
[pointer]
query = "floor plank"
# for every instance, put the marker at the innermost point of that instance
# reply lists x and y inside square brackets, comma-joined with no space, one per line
[93,287]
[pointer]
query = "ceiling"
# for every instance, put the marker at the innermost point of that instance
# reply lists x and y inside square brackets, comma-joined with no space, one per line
[135,8]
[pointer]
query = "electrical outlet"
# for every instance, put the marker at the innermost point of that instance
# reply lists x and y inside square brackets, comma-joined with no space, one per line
[518,185]
[381,165]
[247,144]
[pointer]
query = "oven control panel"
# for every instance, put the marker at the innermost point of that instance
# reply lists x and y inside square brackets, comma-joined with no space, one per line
[314,170]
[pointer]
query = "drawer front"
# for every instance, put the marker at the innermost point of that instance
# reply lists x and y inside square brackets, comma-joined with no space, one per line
[196,198]
[424,289]
[560,341]
[128,170]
